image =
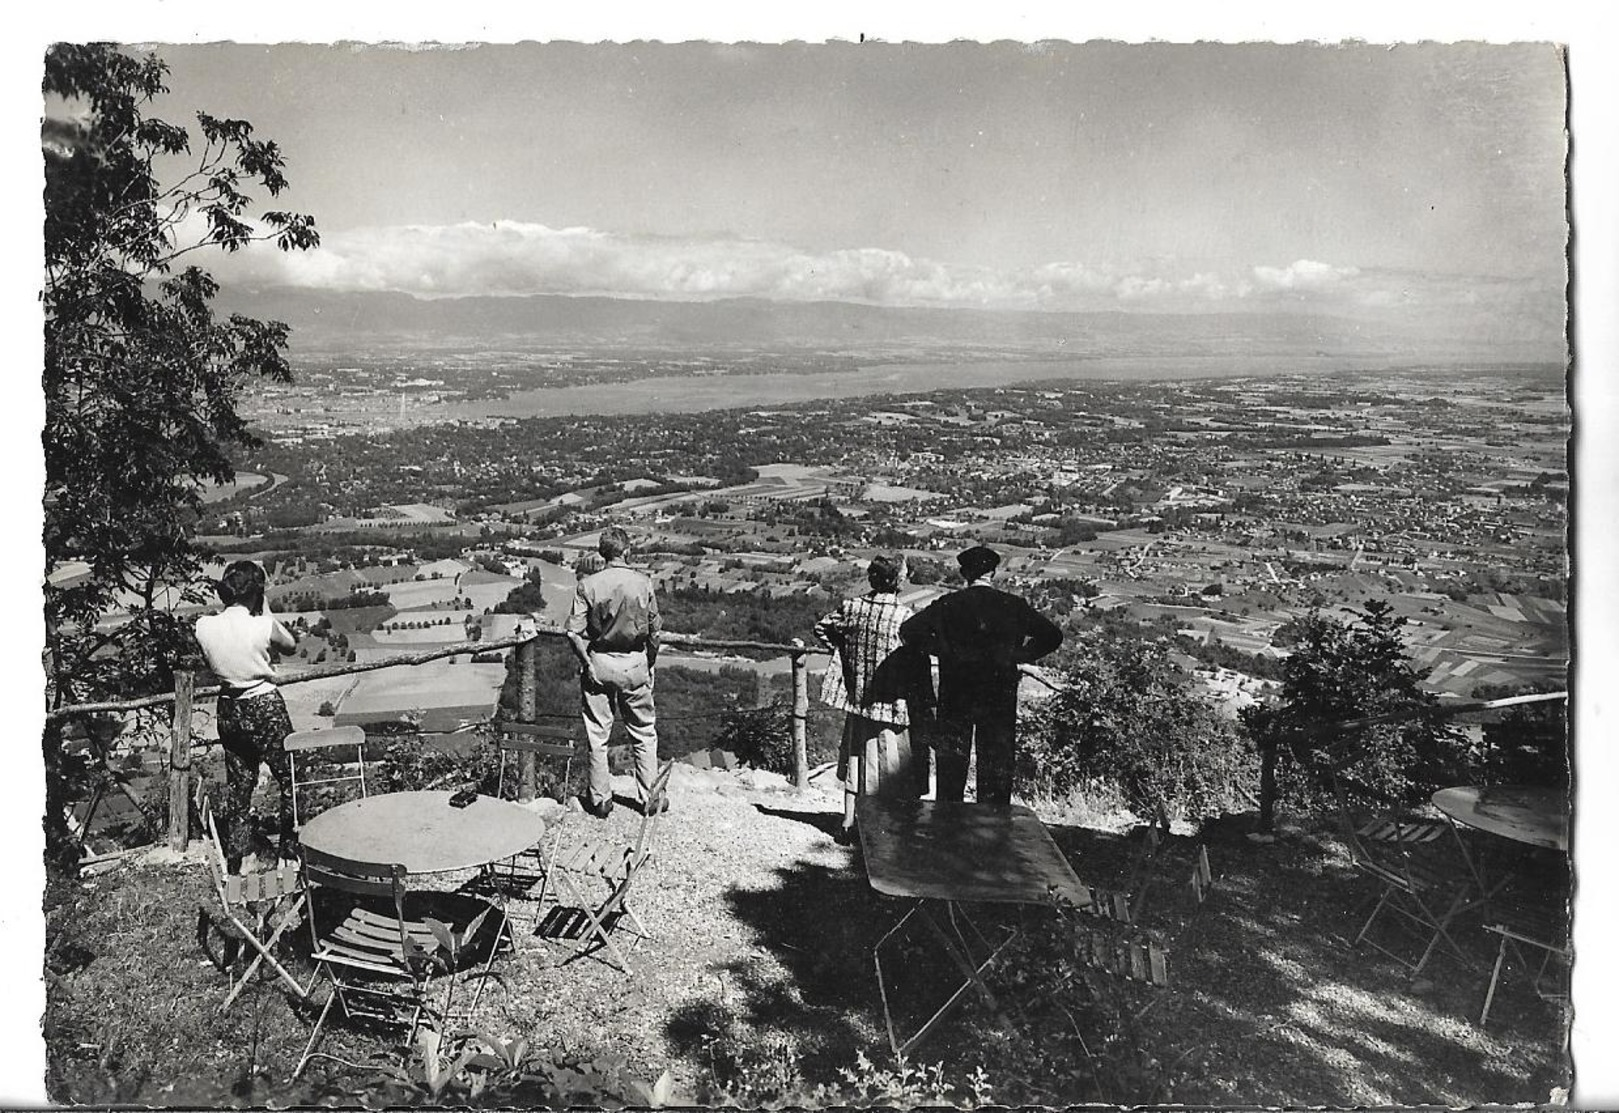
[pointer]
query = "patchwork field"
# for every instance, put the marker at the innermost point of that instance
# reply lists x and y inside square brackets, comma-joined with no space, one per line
[447,684]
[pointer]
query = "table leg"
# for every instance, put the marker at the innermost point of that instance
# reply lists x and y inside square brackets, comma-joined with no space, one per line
[1485,891]
[955,946]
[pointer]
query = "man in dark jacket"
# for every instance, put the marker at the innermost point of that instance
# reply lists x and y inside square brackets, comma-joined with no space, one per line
[980,635]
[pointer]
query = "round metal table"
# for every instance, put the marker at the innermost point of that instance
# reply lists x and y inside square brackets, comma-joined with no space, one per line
[420,831]
[1535,816]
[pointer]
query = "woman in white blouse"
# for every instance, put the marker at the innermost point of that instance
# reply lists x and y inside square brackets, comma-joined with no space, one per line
[241,643]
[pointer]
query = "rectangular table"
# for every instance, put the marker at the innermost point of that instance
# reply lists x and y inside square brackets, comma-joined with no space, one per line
[941,855]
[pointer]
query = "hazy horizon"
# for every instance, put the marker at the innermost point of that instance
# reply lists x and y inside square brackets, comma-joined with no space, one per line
[1404,188]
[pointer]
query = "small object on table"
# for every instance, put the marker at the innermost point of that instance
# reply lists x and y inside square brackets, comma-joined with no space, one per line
[464,798]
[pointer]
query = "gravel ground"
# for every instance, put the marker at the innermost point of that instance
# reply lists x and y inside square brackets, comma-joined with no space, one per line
[759,966]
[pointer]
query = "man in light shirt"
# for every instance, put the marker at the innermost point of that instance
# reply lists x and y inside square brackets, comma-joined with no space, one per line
[613,628]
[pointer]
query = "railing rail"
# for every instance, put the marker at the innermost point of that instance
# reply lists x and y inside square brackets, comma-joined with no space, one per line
[186,695]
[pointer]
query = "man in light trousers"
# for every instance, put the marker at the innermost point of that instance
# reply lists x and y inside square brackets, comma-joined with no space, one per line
[613,628]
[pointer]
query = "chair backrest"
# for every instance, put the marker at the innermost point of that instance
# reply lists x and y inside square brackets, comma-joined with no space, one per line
[657,799]
[1348,823]
[549,740]
[305,741]
[348,875]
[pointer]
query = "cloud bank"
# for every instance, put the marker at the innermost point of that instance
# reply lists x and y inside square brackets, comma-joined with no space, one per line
[512,258]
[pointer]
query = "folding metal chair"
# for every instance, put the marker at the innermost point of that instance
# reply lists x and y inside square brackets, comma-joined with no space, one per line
[1528,927]
[1424,897]
[543,740]
[379,963]
[613,862]
[270,900]
[300,745]
[514,878]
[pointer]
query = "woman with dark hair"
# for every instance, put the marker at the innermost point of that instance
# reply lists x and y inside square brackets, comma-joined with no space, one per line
[867,682]
[240,643]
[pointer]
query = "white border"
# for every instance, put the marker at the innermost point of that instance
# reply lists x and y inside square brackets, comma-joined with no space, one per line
[1586,27]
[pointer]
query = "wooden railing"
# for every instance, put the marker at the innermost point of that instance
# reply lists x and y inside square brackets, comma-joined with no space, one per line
[187,695]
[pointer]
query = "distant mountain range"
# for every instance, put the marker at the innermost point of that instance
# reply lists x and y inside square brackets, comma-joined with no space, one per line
[324,319]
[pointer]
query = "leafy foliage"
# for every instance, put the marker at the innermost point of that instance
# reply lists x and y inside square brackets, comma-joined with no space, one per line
[742,615]
[1528,744]
[1340,672]
[761,737]
[140,378]
[1127,715]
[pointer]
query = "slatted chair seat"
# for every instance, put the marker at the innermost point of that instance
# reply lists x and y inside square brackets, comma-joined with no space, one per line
[384,945]
[1406,832]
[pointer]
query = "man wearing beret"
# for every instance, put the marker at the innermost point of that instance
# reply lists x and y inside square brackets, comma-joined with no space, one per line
[980,635]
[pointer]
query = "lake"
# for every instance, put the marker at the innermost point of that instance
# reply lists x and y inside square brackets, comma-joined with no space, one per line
[690,394]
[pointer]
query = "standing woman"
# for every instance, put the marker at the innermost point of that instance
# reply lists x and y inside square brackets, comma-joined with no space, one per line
[863,681]
[240,643]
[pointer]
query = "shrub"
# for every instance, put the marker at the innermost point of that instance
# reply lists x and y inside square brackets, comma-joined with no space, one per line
[407,762]
[1528,744]
[1128,716]
[761,737]
[1340,672]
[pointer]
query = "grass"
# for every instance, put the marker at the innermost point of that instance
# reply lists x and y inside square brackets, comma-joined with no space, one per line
[757,986]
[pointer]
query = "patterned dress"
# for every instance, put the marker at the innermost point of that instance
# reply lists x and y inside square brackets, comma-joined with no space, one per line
[864,681]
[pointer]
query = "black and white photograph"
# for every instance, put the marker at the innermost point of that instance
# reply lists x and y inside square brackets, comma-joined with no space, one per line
[836,568]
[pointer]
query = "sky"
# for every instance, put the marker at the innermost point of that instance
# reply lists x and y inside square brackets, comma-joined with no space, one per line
[1377,182]
[349,149]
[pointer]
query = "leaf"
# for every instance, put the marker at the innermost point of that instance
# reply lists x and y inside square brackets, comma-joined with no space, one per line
[472,928]
[663,1088]
[441,931]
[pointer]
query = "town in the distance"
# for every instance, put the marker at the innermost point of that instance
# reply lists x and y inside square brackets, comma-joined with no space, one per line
[1213,510]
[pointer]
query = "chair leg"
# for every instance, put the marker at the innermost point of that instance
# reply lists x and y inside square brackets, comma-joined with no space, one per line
[597,934]
[1382,900]
[1495,976]
[264,955]
[309,1048]
[503,932]
[1439,931]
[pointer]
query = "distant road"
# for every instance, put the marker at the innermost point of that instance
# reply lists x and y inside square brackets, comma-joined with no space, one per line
[212,492]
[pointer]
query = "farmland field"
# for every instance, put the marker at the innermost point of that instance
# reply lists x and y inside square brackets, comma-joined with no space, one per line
[420,594]
[446,683]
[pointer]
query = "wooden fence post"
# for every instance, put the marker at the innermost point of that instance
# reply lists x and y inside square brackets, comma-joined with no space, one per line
[527,708]
[800,717]
[180,761]
[1267,784]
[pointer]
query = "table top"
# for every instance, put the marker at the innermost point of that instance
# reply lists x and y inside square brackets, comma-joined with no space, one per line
[1536,816]
[940,850]
[420,831]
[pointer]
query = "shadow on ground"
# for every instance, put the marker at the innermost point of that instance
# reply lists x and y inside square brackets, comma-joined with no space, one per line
[1268,1003]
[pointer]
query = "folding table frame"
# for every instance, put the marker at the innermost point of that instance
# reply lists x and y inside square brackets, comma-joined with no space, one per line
[942,856]
[960,950]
